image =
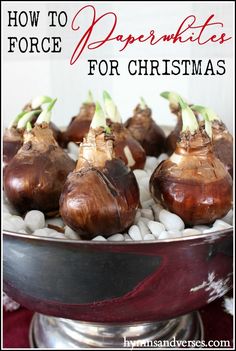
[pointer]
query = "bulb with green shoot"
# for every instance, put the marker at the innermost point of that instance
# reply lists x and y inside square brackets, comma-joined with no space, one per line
[111,109]
[145,130]
[13,135]
[173,99]
[79,124]
[101,195]
[40,104]
[222,140]
[174,106]
[193,183]
[34,178]
[126,147]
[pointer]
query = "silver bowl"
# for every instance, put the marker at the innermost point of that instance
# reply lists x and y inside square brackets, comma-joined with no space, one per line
[98,294]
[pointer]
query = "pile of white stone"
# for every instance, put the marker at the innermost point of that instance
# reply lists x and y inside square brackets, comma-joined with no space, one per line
[152,222]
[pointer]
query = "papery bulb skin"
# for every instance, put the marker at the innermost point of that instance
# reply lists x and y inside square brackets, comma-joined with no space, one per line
[223,144]
[13,136]
[100,202]
[79,125]
[101,196]
[126,148]
[57,133]
[12,142]
[221,138]
[172,138]
[34,178]
[193,183]
[144,129]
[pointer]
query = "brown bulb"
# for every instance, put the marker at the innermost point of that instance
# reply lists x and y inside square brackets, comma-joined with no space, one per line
[193,183]
[12,142]
[144,129]
[223,144]
[13,137]
[172,138]
[101,196]
[57,133]
[79,125]
[34,178]
[126,148]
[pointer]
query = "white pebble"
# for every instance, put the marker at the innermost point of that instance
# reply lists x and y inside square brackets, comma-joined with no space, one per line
[162,157]
[144,182]
[48,233]
[149,172]
[55,234]
[41,232]
[219,227]
[171,220]
[71,234]
[144,194]
[22,231]
[175,233]
[139,173]
[151,162]
[191,231]
[201,227]
[99,238]
[157,208]
[34,220]
[229,217]
[127,237]
[73,148]
[156,228]
[116,237]
[164,235]
[134,233]
[147,213]
[17,222]
[149,237]
[137,216]
[221,224]
[144,230]
[6,216]
[73,157]
[147,203]
[210,230]
[144,220]
[57,221]
[7,208]
[7,225]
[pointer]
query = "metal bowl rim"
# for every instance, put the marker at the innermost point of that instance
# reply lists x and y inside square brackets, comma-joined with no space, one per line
[209,236]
